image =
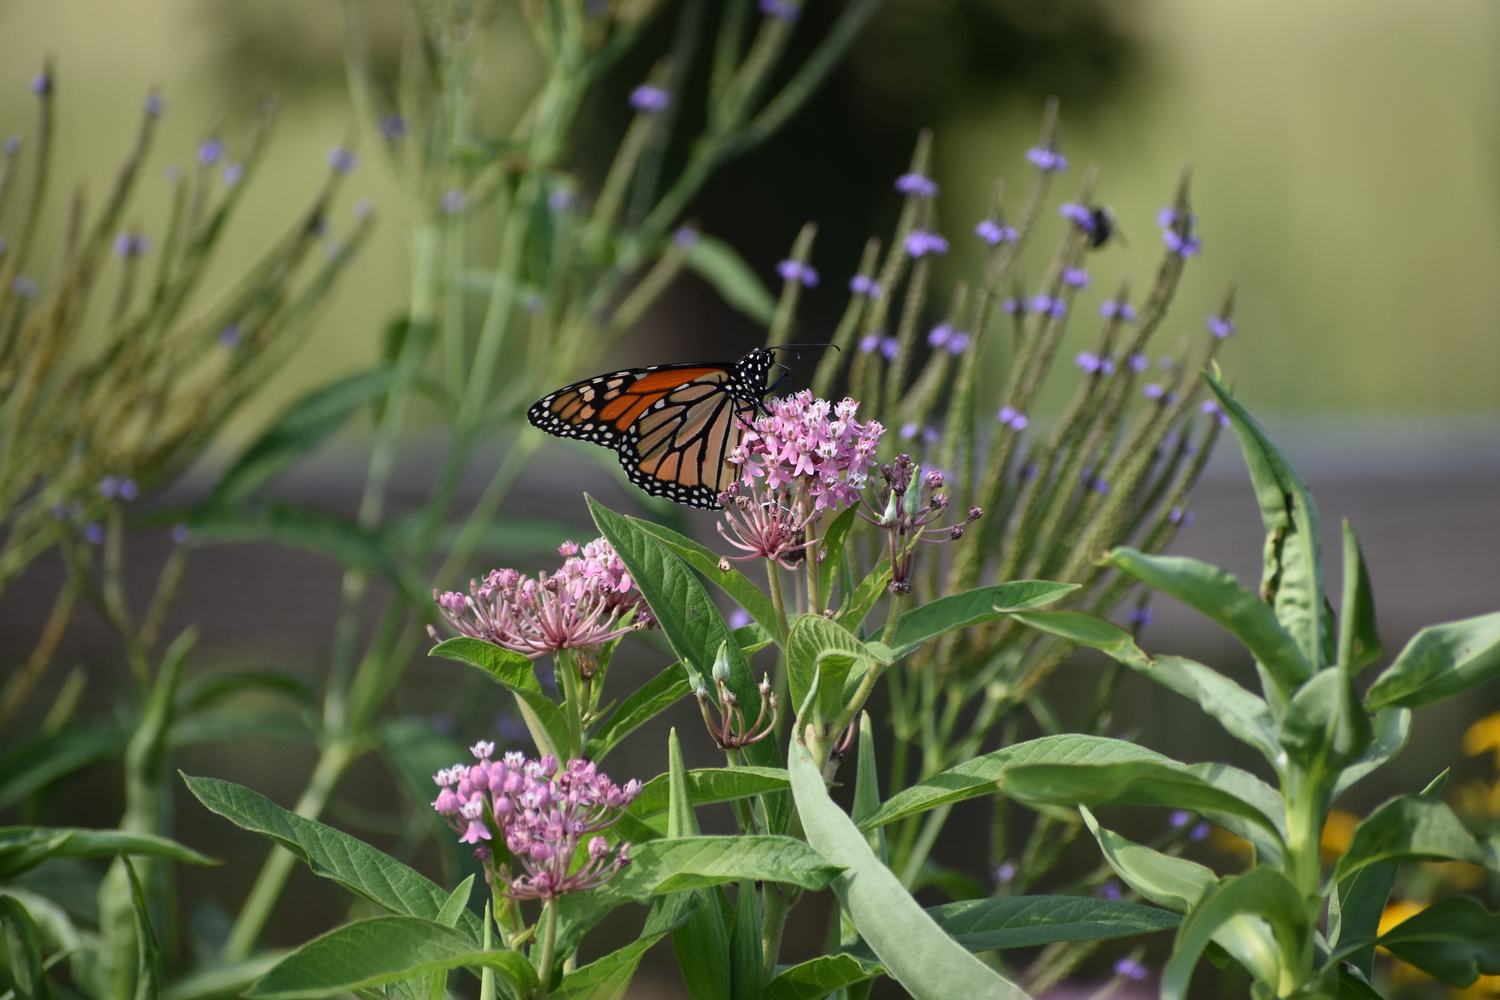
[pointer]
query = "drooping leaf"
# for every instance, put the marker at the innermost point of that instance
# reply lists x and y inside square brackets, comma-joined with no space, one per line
[306,423]
[24,847]
[981,775]
[1175,883]
[1439,662]
[1263,892]
[1141,783]
[1292,580]
[1454,940]
[947,614]
[1243,715]
[1023,921]
[1086,630]
[1409,828]
[371,953]
[691,622]
[1359,640]
[1219,596]
[514,672]
[644,704]
[709,785]
[910,945]
[826,650]
[212,687]
[332,854]
[819,977]
[720,265]
[706,561]
[1391,728]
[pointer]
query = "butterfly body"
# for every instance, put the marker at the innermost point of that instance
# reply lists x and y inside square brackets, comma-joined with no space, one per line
[672,426]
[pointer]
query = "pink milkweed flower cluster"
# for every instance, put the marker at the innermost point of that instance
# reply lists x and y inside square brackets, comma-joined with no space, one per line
[541,814]
[765,526]
[587,602]
[811,444]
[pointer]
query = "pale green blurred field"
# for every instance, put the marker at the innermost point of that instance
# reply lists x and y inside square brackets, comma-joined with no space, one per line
[1344,152]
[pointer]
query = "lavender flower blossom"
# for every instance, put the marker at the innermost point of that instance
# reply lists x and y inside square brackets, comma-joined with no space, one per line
[582,605]
[1109,890]
[542,814]
[739,618]
[342,160]
[25,287]
[817,445]
[1200,832]
[454,201]
[920,242]
[904,507]
[93,533]
[1049,305]
[889,348]
[181,534]
[939,335]
[211,152]
[12,145]
[1112,309]
[232,174]
[41,85]
[392,127]
[795,270]
[1077,214]
[995,233]
[154,105]
[923,187]
[1153,390]
[785,11]
[1177,232]
[1010,417]
[650,100]
[1047,159]
[129,244]
[1213,409]
[1129,968]
[862,285]
[685,238]
[1141,616]
[1075,277]
[230,335]
[1138,362]
[1221,326]
[1180,818]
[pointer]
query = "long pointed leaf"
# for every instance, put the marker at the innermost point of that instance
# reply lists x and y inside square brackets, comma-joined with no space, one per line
[1439,662]
[24,847]
[947,614]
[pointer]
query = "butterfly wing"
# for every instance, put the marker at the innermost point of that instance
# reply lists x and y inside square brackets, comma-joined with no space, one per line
[673,426]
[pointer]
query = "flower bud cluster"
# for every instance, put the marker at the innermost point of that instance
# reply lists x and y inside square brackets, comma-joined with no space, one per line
[540,814]
[583,604]
[906,504]
[730,730]
[810,443]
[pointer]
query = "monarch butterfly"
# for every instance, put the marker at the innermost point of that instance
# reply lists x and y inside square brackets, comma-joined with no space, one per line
[673,426]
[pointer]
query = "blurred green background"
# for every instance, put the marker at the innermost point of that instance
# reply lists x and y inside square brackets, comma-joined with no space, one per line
[1344,156]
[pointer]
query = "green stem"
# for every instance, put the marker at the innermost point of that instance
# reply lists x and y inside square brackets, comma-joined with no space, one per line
[779,603]
[571,703]
[332,763]
[772,923]
[549,944]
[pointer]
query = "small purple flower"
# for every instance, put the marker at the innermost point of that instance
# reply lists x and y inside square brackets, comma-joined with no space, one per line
[921,242]
[1005,872]
[1129,968]
[363,208]
[685,238]
[93,533]
[870,343]
[794,270]
[781,10]
[922,187]
[1199,832]
[232,174]
[995,233]
[1141,617]
[1077,214]
[129,244]
[342,160]
[1180,516]
[1138,362]
[1046,159]
[1010,417]
[1088,361]
[649,99]
[533,304]
[25,287]
[909,430]
[958,343]
[12,145]
[1212,409]
[1100,486]
[1014,306]
[1109,890]
[1164,363]
[211,152]
[739,618]
[181,534]
[861,285]
[1182,246]
[1075,277]
[109,487]
[1112,309]
[1180,818]
[1153,390]
[560,200]
[1221,327]
[889,348]
[392,127]
[930,435]
[155,105]
[230,335]
[1044,303]
[41,85]
[454,201]
[940,335]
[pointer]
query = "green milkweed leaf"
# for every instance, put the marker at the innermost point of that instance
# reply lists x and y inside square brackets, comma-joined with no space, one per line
[819,977]
[706,561]
[1262,892]
[1409,828]
[1439,662]
[948,614]
[1454,940]
[1359,640]
[22,848]
[1023,921]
